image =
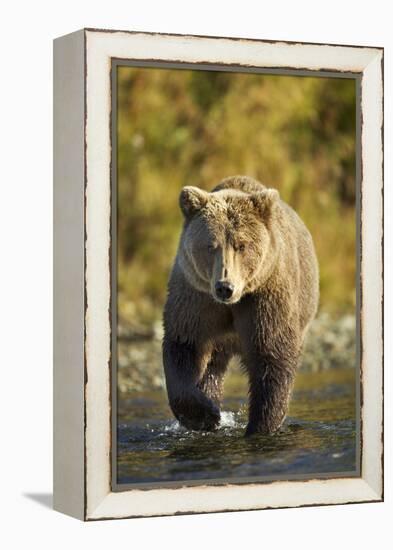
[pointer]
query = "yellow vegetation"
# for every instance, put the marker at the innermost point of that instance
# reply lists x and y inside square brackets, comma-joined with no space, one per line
[183,127]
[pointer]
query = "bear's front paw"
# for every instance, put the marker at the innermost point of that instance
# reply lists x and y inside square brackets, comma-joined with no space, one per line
[196,412]
[258,429]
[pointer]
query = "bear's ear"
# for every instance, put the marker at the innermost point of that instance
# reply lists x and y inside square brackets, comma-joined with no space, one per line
[265,201]
[192,200]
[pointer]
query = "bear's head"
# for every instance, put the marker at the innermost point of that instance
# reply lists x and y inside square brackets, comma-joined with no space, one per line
[228,244]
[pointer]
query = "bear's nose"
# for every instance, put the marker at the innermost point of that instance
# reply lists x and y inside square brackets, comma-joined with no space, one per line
[224,290]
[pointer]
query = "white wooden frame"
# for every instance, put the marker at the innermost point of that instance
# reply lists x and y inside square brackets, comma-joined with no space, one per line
[82,206]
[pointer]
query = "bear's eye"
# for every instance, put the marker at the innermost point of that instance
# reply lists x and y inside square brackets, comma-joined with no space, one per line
[242,247]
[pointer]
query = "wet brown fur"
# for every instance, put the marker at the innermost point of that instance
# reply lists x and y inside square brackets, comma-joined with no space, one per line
[244,234]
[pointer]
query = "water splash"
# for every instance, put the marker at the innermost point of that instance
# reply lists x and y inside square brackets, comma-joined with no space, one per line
[228,420]
[173,427]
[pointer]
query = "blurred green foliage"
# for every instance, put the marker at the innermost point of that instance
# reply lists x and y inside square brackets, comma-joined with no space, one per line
[183,127]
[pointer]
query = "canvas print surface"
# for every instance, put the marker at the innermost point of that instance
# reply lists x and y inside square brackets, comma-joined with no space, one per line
[235,356]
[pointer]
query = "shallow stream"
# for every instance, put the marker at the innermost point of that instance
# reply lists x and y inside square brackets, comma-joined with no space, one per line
[318,437]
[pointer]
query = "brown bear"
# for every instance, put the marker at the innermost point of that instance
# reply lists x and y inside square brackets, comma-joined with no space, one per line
[244,282]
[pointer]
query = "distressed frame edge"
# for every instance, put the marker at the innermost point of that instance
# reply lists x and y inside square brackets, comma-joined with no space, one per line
[374,495]
[104,511]
[372,263]
[236,38]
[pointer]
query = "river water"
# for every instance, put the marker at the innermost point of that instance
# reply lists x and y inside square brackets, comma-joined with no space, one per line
[318,437]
